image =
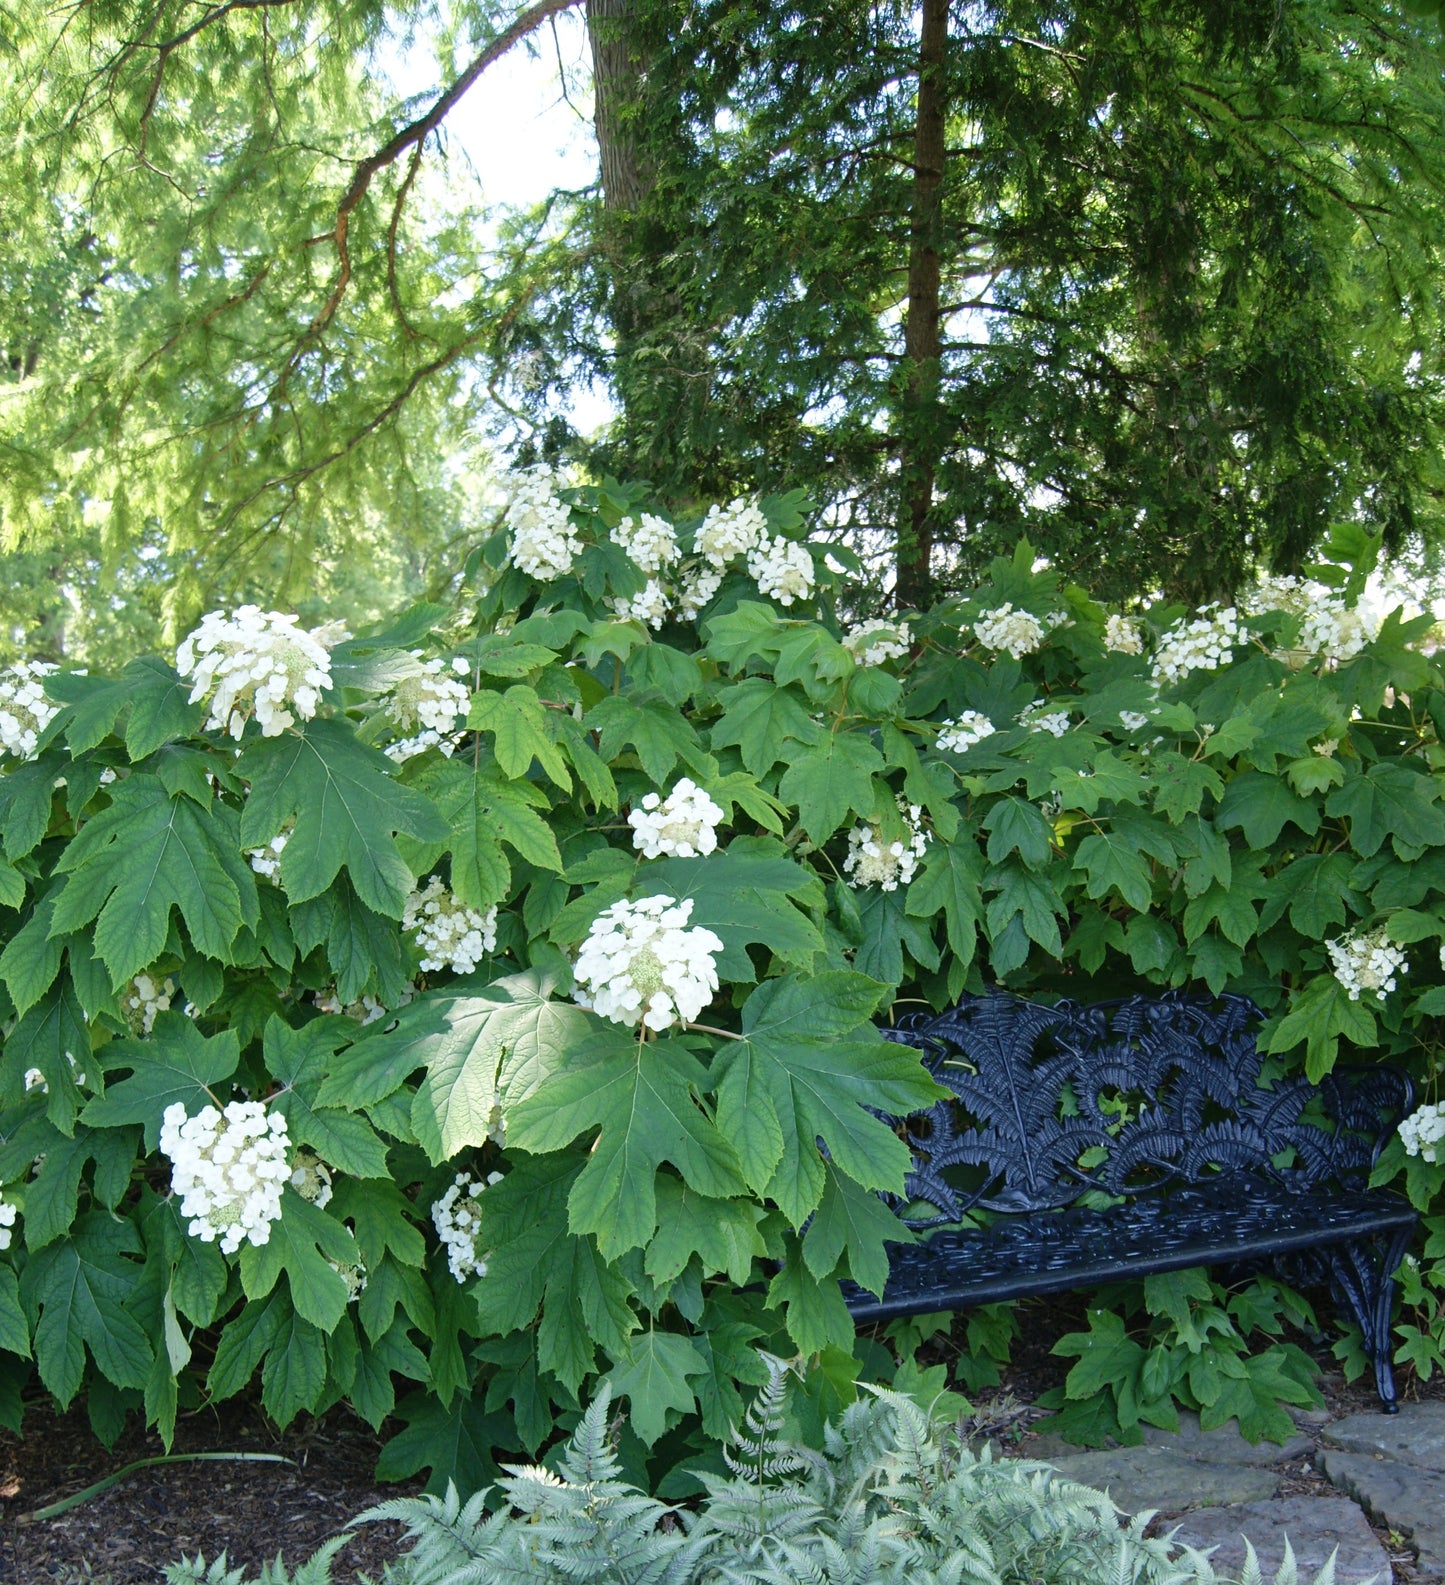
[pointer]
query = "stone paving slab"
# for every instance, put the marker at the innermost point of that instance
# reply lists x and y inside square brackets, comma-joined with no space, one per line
[1416,1435]
[1159,1477]
[1225,1444]
[1316,1526]
[1401,1494]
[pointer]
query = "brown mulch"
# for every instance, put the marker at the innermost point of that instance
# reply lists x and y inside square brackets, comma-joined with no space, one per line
[252,1511]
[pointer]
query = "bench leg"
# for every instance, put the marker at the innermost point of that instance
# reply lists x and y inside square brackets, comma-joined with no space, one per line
[1362,1277]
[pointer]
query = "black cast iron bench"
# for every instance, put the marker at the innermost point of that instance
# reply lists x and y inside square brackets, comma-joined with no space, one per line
[1152,1110]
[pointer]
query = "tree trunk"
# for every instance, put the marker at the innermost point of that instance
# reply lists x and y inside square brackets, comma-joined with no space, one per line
[923,346]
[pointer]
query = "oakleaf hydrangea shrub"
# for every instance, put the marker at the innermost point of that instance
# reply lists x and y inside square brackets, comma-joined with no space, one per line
[561,1028]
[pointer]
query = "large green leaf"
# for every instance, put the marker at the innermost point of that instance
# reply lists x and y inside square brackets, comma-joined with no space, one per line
[176,1062]
[829,780]
[766,722]
[642,1097]
[482,1047]
[145,855]
[304,1242]
[75,1293]
[517,722]
[456,1443]
[536,1261]
[26,793]
[1262,806]
[363,948]
[1390,801]
[148,692]
[949,884]
[723,1234]
[31,958]
[855,1221]
[658,734]
[1319,1015]
[810,1067]
[51,1036]
[299,1059]
[347,807]
[752,893]
[652,1374]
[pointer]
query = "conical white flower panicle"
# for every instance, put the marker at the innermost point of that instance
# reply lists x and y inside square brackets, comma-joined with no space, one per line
[873,860]
[25,712]
[543,542]
[642,963]
[229,1169]
[457,1218]
[873,642]
[450,934]
[684,825]
[254,662]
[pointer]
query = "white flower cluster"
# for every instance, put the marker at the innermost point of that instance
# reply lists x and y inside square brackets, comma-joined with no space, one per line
[1329,629]
[366,1011]
[648,606]
[1019,632]
[450,935]
[229,1169]
[782,569]
[409,747]
[872,861]
[266,861]
[1204,644]
[1123,635]
[871,643]
[954,737]
[683,826]
[1133,720]
[651,542]
[1037,717]
[311,1178]
[427,697]
[778,566]
[7,1222]
[641,961]
[146,997]
[544,543]
[699,585]
[254,661]
[353,1276]
[34,1079]
[1366,963]
[25,712]
[1420,1133]
[737,529]
[458,1220]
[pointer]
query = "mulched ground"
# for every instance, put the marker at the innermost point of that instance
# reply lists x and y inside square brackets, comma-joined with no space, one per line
[254,1510]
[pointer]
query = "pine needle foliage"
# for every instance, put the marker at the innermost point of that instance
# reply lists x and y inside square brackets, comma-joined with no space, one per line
[892,1500]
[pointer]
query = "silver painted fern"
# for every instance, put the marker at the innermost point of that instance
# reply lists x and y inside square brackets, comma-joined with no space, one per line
[891,1500]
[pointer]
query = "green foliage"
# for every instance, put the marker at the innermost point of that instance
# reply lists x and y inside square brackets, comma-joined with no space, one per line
[890,1499]
[654,1205]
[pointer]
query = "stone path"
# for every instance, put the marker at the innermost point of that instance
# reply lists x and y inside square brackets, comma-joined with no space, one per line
[1217,1488]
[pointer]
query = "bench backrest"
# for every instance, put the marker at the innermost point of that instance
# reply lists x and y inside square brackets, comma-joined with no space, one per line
[1051,1102]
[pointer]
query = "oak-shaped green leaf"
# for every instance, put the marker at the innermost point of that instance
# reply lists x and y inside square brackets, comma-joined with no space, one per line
[300,1059]
[767,723]
[517,723]
[652,1373]
[1262,806]
[658,734]
[1112,861]
[303,1242]
[146,854]
[26,793]
[829,780]
[1319,1015]
[815,1314]
[176,1062]
[1389,801]
[53,1037]
[147,692]
[811,1066]
[347,807]
[852,1220]
[455,1442]
[949,884]
[535,1261]
[723,1234]
[482,1047]
[641,1096]
[75,1293]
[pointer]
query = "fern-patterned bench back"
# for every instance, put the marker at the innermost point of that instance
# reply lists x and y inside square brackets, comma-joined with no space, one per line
[1152,1113]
